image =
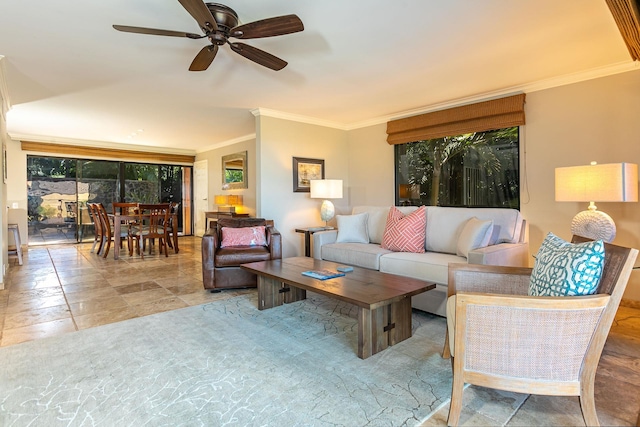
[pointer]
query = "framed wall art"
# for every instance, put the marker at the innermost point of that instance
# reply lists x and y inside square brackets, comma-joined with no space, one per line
[304,170]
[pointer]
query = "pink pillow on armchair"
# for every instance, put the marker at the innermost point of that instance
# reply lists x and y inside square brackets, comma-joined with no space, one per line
[405,233]
[245,236]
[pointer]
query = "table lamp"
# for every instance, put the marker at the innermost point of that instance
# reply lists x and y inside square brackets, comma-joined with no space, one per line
[227,202]
[326,189]
[612,182]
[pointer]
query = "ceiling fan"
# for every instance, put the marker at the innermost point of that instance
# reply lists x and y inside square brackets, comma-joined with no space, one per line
[219,22]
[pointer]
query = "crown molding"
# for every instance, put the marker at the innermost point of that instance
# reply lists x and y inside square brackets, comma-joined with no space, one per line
[297,118]
[100,144]
[550,83]
[227,143]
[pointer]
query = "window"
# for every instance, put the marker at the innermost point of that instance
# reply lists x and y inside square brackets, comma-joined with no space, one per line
[58,190]
[478,169]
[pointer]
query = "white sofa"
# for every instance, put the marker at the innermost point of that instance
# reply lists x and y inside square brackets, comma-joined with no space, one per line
[506,244]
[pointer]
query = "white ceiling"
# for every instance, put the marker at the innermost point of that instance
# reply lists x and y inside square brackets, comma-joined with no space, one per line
[72,77]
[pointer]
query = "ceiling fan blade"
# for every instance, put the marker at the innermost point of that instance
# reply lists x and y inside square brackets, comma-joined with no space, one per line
[201,14]
[204,58]
[156,32]
[270,27]
[259,56]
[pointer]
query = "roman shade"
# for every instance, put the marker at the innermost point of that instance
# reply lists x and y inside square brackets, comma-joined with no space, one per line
[482,116]
[627,17]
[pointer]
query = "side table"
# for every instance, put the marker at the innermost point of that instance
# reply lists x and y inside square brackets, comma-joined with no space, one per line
[308,231]
[217,215]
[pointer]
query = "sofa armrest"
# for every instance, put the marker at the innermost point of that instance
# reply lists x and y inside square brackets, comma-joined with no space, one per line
[274,240]
[509,254]
[323,238]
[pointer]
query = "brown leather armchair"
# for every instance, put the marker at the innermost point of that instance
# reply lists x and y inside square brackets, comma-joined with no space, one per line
[221,266]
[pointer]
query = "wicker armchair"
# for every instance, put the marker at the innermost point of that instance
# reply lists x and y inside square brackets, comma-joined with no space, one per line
[507,340]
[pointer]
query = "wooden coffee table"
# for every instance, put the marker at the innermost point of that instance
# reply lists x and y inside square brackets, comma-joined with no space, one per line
[383,300]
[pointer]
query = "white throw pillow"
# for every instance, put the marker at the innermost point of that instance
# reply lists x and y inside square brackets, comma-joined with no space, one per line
[475,234]
[352,228]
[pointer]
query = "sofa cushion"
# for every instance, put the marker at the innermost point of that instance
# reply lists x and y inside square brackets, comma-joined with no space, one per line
[475,234]
[352,228]
[378,219]
[430,266]
[405,233]
[246,236]
[235,255]
[565,269]
[357,254]
[444,225]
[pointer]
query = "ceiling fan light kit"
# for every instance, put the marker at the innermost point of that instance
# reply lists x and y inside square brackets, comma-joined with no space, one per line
[218,23]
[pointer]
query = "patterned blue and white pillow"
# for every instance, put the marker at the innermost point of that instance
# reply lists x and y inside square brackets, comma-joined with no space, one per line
[566,269]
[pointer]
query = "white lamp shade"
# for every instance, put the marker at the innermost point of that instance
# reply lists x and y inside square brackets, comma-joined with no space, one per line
[326,189]
[612,182]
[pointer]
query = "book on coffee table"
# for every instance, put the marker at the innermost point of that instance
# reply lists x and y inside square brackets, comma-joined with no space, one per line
[322,274]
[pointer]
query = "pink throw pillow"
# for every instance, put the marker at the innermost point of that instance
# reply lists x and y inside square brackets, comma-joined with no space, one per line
[405,233]
[245,236]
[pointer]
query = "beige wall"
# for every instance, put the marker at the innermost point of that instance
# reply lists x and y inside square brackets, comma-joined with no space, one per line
[280,140]
[573,125]
[371,167]
[214,161]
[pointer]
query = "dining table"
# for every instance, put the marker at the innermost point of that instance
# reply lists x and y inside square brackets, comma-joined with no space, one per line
[119,219]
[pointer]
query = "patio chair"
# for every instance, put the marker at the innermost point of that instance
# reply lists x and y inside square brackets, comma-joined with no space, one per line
[547,345]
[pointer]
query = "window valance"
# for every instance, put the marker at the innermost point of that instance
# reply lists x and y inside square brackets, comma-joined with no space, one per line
[105,153]
[482,116]
[627,17]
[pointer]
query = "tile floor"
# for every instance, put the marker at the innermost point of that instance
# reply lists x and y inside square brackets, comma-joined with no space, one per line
[65,288]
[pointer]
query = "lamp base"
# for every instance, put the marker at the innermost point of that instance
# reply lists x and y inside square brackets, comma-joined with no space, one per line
[594,225]
[327,211]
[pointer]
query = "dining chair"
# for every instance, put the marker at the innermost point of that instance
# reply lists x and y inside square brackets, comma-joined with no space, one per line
[125,208]
[98,238]
[150,225]
[548,345]
[107,230]
[172,227]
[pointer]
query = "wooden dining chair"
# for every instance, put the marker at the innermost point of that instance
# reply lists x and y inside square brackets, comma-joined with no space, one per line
[125,208]
[107,229]
[172,227]
[97,225]
[150,225]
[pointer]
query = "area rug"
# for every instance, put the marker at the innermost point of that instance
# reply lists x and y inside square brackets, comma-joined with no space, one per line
[227,364]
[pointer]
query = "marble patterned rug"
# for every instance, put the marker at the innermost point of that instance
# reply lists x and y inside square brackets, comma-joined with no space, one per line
[226,364]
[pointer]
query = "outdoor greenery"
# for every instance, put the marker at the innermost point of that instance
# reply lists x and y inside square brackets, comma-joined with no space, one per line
[55,183]
[233,175]
[476,169]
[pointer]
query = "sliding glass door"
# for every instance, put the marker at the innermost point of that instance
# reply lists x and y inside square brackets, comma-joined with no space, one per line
[58,190]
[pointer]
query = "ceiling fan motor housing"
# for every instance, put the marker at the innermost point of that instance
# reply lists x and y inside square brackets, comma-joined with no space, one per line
[225,17]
